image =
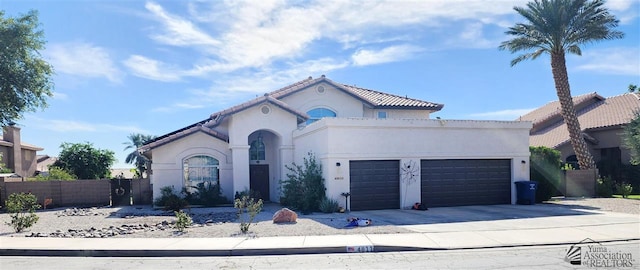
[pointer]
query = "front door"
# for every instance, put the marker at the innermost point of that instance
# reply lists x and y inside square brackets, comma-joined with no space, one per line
[259,180]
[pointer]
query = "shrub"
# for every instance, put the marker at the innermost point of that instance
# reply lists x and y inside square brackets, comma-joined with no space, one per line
[206,194]
[184,220]
[604,187]
[169,200]
[248,208]
[304,188]
[624,190]
[328,205]
[545,169]
[56,173]
[22,207]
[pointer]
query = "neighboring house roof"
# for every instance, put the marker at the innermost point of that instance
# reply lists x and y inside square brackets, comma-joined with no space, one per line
[372,98]
[44,161]
[594,112]
[25,146]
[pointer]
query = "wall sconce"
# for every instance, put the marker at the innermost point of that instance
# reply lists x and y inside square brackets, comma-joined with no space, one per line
[523,162]
[337,164]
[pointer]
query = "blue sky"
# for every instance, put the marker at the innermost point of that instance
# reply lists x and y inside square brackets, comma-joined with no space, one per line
[152,67]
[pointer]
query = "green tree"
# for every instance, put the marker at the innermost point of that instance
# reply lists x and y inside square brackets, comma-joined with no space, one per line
[632,138]
[85,161]
[135,157]
[56,173]
[25,78]
[556,27]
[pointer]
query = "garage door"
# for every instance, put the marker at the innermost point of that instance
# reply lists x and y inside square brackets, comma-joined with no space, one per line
[375,184]
[453,182]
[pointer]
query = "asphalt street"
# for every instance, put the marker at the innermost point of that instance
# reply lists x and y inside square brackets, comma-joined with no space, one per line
[536,257]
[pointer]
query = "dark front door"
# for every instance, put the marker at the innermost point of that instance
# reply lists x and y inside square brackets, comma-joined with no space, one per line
[259,180]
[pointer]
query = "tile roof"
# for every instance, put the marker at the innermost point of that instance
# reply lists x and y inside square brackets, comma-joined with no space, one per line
[372,98]
[594,112]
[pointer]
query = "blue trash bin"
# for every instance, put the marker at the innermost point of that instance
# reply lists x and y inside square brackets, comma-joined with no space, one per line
[526,192]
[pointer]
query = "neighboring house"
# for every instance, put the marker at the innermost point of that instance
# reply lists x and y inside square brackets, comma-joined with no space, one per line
[124,173]
[381,148]
[602,121]
[16,155]
[44,161]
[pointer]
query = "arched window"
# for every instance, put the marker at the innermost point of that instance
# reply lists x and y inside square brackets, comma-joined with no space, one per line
[257,149]
[319,113]
[200,169]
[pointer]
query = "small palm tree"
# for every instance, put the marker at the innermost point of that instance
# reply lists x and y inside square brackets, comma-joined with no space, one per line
[555,27]
[135,157]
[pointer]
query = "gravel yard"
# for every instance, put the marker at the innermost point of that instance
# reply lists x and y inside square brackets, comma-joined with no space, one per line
[146,222]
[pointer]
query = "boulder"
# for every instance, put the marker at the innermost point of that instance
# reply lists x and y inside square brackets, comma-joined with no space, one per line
[285,215]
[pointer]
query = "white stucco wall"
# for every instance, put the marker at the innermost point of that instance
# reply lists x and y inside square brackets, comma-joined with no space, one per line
[167,161]
[278,123]
[398,114]
[338,140]
[336,100]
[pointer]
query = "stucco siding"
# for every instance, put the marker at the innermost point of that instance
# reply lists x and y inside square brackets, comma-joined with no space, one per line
[397,114]
[167,162]
[336,140]
[336,100]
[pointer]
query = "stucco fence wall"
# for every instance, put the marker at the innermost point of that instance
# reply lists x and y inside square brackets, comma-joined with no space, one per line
[73,193]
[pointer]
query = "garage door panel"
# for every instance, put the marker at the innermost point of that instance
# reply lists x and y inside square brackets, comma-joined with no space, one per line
[374,184]
[465,182]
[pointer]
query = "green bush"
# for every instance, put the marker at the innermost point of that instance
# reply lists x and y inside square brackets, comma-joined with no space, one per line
[328,205]
[624,190]
[205,194]
[304,188]
[55,173]
[184,220]
[545,168]
[22,207]
[604,187]
[248,209]
[169,200]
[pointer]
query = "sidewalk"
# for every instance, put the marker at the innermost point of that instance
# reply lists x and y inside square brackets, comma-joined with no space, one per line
[555,230]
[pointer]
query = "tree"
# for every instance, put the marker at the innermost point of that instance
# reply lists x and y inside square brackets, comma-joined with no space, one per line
[85,161]
[135,157]
[25,78]
[556,27]
[632,138]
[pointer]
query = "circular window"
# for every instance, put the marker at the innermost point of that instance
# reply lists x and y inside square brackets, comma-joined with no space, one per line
[320,89]
[265,109]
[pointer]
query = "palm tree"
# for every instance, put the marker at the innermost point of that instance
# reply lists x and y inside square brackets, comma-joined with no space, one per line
[556,27]
[135,157]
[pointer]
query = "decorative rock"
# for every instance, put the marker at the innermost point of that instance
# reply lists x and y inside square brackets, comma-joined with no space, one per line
[285,215]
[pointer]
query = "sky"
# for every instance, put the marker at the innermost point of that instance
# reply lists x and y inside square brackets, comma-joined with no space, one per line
[153,67]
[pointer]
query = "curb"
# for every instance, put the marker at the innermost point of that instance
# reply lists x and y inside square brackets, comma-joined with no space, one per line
[249,252]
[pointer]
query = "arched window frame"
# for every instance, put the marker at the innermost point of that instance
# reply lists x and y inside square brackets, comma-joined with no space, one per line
[319,113]
[257,150]
[200,169]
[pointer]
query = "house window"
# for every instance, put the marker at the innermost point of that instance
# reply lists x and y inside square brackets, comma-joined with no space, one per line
[257,149]
[382,115]
[319,113]
[200,169]
[573,161]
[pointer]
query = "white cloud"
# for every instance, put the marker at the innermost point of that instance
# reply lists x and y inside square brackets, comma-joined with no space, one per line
[60,96]
[619,60]
[58,125]
[389,54]
[152,69]
[177,31]
[502,115]
[83,59]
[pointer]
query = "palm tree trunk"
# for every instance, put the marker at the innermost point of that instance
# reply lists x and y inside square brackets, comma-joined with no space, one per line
[561,79]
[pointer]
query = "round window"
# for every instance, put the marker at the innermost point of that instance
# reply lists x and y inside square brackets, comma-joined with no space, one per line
[265,109]
[320,89]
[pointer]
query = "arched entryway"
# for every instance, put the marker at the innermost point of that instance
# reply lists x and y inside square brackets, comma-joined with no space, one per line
[264,160]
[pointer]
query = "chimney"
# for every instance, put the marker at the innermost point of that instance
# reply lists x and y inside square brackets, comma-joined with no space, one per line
[11,134]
